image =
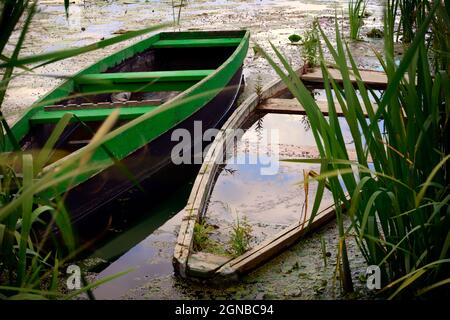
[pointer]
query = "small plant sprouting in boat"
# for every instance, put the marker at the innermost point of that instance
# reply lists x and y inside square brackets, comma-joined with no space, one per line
[203,241]
[202,230]
[177,16]
[259,129]
[241,235]
[305,122]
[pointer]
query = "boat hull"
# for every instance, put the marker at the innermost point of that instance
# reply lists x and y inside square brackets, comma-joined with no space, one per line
[196,76]
[150,168]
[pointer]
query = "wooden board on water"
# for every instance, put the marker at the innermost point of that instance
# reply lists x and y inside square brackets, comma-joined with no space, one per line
[372,79]
[292,106]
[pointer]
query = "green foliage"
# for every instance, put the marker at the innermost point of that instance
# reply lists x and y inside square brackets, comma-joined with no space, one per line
[408,9]
[356,13]
[201,235]
[28,220]
[399,185]
[203,242]
[310,46]
[440,41]
[258,86]
[240,236]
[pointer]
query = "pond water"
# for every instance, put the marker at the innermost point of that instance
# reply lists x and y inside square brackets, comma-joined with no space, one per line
[269,202]
[91,21]
[146,244]
[258,186]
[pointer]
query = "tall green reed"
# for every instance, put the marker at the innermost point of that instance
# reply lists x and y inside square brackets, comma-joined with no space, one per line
[310,45]
[27,269]
[356,12]
[399,185]
[409,11]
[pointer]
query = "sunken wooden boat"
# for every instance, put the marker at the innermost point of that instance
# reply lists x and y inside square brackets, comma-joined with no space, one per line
[273,98]
[165,82]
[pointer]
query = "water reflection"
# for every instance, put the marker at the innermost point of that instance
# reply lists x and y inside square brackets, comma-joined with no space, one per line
[152,256]
[269,202]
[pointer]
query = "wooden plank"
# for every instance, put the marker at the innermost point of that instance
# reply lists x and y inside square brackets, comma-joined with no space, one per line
[97,114]
[138,77]
[292,106]
[203,264]
[373,79]
[104,105]
[195,43]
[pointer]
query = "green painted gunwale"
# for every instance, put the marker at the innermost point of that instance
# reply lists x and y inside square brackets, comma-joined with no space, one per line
[126,113]
[125,77]
[149,126]
[179,80]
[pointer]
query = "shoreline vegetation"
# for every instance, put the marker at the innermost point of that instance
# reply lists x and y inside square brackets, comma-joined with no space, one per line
[399,204]
[398,211]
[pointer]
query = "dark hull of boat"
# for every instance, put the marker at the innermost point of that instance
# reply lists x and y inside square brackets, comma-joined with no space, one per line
[89,203]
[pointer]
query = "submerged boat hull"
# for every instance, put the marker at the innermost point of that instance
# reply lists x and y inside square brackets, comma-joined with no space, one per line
[275,97]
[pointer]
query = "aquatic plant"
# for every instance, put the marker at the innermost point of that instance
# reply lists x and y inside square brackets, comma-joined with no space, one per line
[310,46]
[356,12]
[240,236]
[258,86]
[399,202]
[28,220]
[177,16]
[202,230]
[440,41]
[407,25]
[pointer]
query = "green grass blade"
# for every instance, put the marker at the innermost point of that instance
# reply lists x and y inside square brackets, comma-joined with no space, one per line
[27,204]
[394,81]
[48,148]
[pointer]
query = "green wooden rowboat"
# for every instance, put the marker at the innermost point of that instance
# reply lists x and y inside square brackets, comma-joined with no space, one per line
[162,83]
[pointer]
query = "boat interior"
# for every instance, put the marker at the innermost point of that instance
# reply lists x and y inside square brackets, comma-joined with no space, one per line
[136,85]
[155,76]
